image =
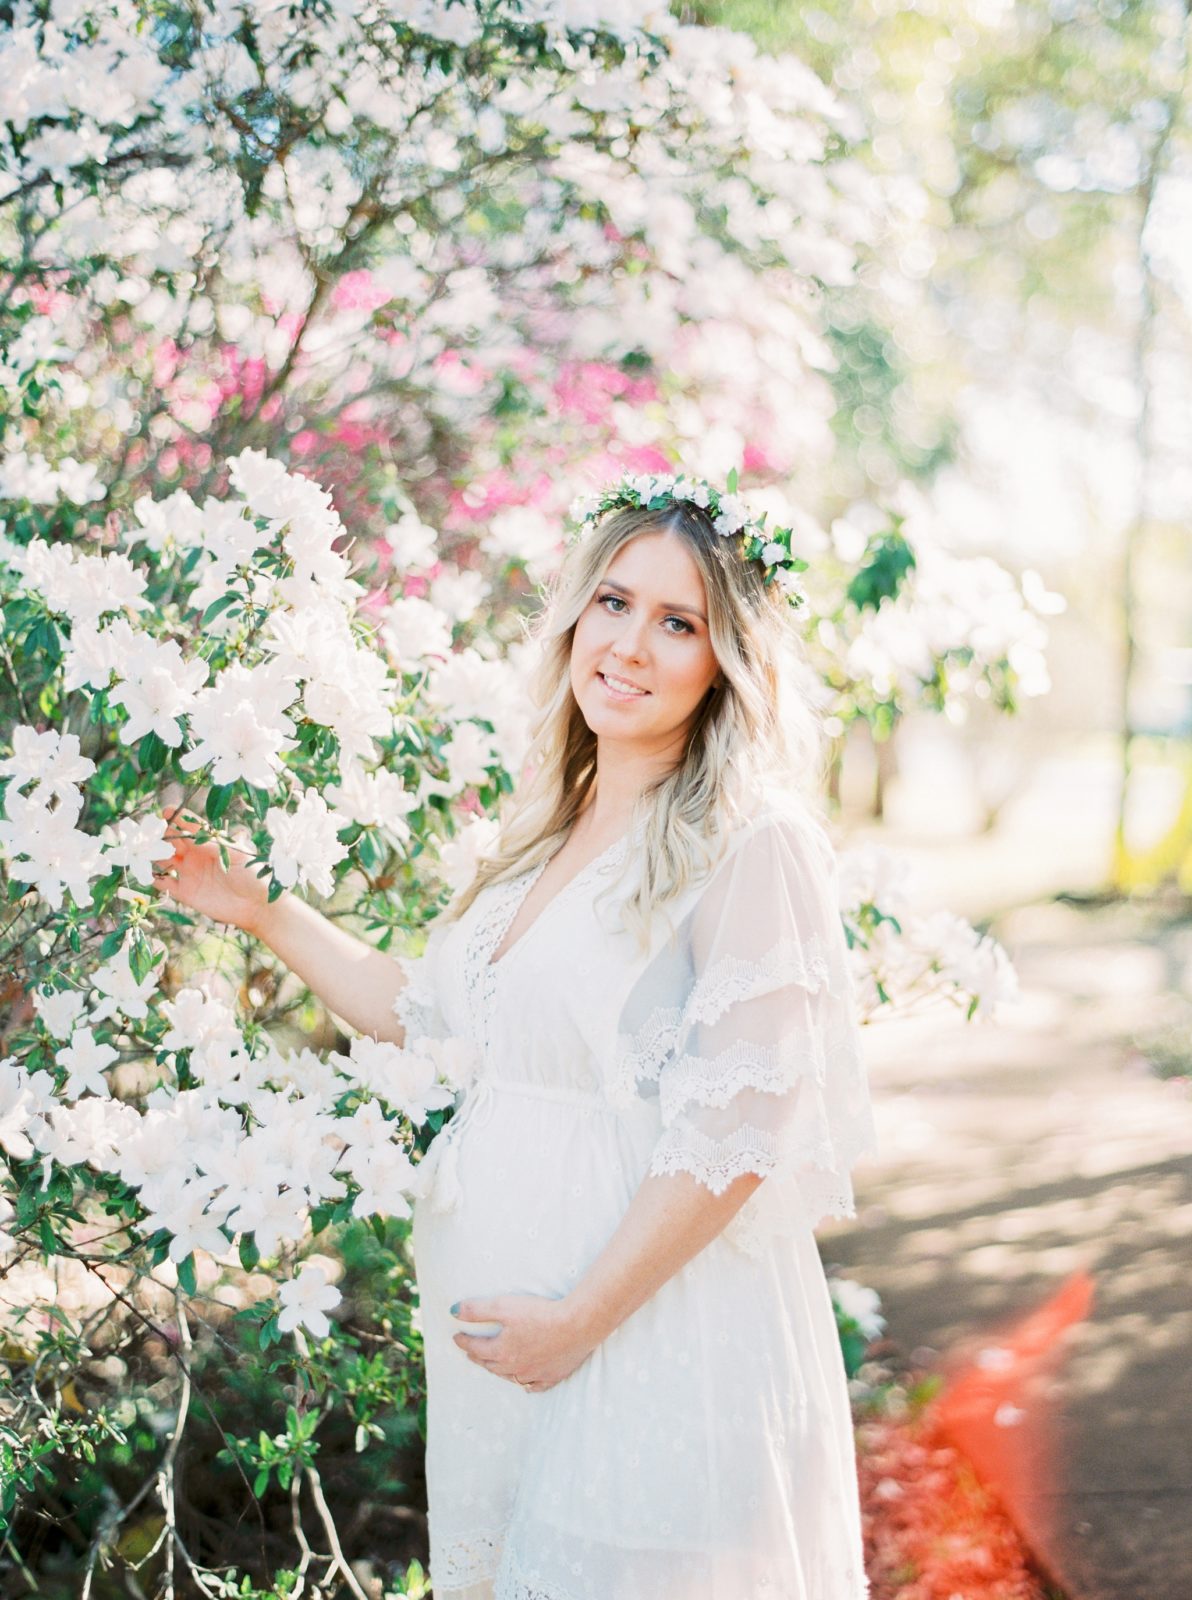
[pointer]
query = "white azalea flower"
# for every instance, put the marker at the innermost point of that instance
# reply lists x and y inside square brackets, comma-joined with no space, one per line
[414,629]
[469,754]
[405,1078]
[525,534]
[373,799]
[92,653]
[159,688]
[85,1059]
[459,593]
[122,993]
[195,1016]
[305,847]
[180,1206]
[281,496]
[176,520]
[47,851]
[306,1299]
[413,544]
[458,856]
[240,726]
[16,1107]
[59,1012]
[274,1216]
[54,759]
[860,1303]
[135,843]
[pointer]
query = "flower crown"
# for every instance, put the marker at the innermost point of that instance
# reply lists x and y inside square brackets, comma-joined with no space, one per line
[728,513]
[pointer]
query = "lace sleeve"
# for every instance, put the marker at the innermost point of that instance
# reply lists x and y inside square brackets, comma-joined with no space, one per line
[745,1027]
[416,1005]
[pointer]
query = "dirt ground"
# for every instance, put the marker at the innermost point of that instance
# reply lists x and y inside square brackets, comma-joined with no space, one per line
[1017,1153]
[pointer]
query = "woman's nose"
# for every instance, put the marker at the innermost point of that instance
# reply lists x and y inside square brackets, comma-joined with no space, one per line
[630,643]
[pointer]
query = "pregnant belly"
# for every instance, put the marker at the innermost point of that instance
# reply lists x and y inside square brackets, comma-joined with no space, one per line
[539,1187]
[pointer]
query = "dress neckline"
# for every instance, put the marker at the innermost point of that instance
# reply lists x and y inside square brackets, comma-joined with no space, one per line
[526,881]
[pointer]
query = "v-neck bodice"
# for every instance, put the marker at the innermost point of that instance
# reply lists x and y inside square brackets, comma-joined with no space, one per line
[526,882]
[545,1001]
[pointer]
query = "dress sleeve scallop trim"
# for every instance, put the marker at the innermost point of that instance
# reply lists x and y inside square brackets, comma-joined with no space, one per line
[744,1026]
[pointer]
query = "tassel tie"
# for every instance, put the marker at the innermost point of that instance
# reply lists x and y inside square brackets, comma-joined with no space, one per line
[438,1171]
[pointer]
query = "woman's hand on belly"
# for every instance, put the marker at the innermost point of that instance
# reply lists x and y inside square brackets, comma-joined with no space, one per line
[541,1341]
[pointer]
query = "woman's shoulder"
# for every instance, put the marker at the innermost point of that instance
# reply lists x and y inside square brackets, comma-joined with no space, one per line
[780,819]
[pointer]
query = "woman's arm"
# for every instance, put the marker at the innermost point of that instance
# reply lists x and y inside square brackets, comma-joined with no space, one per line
[354,981]
[670,1220]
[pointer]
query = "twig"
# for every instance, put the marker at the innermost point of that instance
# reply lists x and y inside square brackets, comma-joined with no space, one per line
[165,1477]
[299,1535]
[316,1489]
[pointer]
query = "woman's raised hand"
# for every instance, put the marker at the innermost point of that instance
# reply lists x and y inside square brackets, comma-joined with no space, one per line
[196,876]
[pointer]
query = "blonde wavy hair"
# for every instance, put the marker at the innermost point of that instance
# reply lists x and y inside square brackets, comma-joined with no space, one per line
[756,726]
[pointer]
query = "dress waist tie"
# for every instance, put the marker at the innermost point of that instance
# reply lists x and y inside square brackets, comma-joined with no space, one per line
[438,1171]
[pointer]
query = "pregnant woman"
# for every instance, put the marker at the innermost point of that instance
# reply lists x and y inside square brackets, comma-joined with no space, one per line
[636,1390]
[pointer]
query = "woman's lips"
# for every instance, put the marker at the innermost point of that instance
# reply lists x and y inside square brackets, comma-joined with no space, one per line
[621,694]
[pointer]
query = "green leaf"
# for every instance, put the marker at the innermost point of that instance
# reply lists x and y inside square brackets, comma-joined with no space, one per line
[219,798]
[152,752]
[887,562]
[730,482]
[222,604]
[140,957]
[186,1274]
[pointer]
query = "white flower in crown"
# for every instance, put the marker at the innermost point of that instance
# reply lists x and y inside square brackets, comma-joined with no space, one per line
[728,512]
[791,584]
[732,516]
[584,507]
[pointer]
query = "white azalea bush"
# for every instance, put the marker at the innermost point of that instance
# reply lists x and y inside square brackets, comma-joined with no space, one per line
[156,1130]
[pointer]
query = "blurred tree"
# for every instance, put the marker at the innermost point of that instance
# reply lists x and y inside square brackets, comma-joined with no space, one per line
[1045,156]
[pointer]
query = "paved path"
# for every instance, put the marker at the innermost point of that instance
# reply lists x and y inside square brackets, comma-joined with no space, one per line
[1014,1155]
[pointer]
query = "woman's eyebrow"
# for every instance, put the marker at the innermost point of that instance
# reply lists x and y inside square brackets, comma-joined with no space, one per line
[663,605]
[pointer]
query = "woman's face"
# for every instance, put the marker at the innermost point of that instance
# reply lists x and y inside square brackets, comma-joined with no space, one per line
[641,656]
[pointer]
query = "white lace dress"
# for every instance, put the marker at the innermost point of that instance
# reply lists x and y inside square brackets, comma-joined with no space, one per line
[704,1451]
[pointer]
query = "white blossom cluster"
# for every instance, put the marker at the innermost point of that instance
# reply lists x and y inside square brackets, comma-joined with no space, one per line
[902,957]
[255,1138]
[642,157]
[967,612]
[240,723]
[258,1142]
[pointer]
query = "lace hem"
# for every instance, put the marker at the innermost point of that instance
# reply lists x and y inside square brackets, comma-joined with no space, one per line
[463,1562]
[803,964]
[773,1069]
[807,1176]
[719,1162]
[511,1587]
[729,981]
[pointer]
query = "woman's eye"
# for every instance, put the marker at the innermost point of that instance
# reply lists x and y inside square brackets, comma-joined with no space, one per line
[684,627]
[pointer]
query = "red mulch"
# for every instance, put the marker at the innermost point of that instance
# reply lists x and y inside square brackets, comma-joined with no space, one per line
[932,1531]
